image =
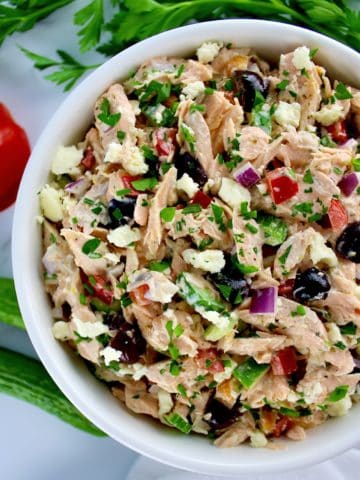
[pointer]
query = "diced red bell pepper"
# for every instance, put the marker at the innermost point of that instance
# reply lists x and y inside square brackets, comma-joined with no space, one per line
[284,362]
[127,179]
[202,199]
[164,141]
[282,186]
[88,161]
[98,285]
[281,426]
[338,131]
[208,359]
[337,215]
[138,295]
[286,288]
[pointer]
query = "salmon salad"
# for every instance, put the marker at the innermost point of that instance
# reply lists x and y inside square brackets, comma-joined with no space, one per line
[201,244]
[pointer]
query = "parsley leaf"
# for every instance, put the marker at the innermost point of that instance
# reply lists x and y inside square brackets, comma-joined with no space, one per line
[341,92]
[91,18]
[105,116]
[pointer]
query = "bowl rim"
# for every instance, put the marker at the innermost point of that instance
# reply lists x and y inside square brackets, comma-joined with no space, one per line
[27,305]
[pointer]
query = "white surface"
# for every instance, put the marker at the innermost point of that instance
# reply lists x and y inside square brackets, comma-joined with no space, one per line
[91,397]
[34,444]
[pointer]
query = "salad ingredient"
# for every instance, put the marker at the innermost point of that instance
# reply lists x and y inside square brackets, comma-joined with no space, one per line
[284,362]
[348,243]
[275,230]
[337,214]
[26,379]
[282,185]
[14,153]
[9,309]
[250,372]
[221,416]
[129,343]
[246,85]
[349,183]
[246,175]
[312,284]
[264,300]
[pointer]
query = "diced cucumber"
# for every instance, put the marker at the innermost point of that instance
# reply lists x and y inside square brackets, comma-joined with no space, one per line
[250,372]
[197,292]
[101,306]
[178,422]
[213,333]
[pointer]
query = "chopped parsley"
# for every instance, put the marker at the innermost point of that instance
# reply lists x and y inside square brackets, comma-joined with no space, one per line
[300,311]
[348,329]
[144,184]
[341,92]
[90,246]
[308,178]
[338,393]
[218,215]
[182,390]
[340,345]
[305,208]
[159,266]
[188,135]
[180,71]
[251,228]
[123,192]
[121,135]
[283,84]
[284,256]
[193,208]
[105,116]
[195,107]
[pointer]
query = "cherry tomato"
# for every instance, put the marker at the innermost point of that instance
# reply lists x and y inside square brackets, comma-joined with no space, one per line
[337,214]
[127,179]
[338,131]
[209,359]
[164,141]
[88,161]
[202,199]
[282,186]
[14,153]
[138,295]
[286,288]
[97,285]
[284,362]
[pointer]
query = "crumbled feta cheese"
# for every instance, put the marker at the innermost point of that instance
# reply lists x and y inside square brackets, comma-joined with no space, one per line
[288,114]
[329,114]
[340,408]
[193,89]
[334,333]
[136,370]
[112,257]
[130,157]
[89,329]
[221,321]
[292,397]
[320,253]
[158,113]
[140,370]
[66,160]
[301,58]
[61,330]
[233,193]
[208,51]
[312,391]
[51,203]
[110,355]
[262,188]
[258,439]
[186,184]
[124,236]
[209,260]
[135,106]
[165,402]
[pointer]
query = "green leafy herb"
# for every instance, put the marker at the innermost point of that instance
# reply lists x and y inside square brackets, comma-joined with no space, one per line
[341,92]
[91,19]
[156,91]
[68,70]
[105,116]
[195,107]
[313,52]
[193,208]
[348,329]
[283,257]
[159,266]
[252,229]
[121,135]
[356,164]
[275,230]
[246,212]
[178,422]
[174,368]
[123,192]
[338,393]
[182,390]
[188,135]
[90,245]
[300,310]
[144,184]
[261,114]
[340,345]
[205,243]
[167,214]
[218,215]
[308,178]
[283,84]
[327,142]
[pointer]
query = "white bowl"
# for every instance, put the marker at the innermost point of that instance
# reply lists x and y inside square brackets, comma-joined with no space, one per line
[93,399]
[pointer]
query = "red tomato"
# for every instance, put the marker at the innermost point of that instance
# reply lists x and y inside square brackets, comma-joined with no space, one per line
[338,131]
[208,359]
[164,141]
[14,153]
[282,186]
[88,161]
[202,199]
[127,179]
[286,288]
[281,426]
[337,215]
[284,362]
[138,295]
[98,284]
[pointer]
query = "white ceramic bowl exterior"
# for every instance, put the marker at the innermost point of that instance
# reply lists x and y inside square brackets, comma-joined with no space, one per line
[89,395]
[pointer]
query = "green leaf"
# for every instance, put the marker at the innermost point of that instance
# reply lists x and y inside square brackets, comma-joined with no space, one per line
[167,214]
[9,309]
[341,92]
[90,246]
[92,19]
[193,208]
[105,116]
[144,184]
[159,266]
[274,229]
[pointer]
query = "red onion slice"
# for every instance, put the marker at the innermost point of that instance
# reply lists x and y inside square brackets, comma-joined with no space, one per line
[264,300]
[246,175]
[348,183]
